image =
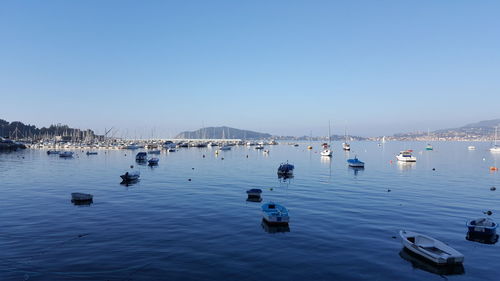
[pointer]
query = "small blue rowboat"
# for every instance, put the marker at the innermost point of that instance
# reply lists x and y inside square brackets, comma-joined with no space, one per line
[274,213]
[482,227]
[355,163]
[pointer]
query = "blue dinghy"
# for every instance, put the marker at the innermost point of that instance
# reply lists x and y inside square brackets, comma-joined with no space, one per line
[355,163]
[482,227]
[275,213]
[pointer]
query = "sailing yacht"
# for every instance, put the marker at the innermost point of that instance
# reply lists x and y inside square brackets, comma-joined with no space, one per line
[346,146]
[496,147]
[429,146]
[327,151]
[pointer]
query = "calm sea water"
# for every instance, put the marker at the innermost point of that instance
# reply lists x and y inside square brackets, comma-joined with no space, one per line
[343,225]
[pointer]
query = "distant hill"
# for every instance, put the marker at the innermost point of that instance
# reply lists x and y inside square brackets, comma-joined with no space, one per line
[220,133]
[484,124]
[482,130]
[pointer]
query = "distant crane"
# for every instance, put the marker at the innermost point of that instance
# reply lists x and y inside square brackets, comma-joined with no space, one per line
[106,132]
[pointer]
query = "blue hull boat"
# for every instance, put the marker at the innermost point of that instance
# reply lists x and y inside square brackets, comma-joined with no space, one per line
[482,227]
[254,192]
[355,163]
[274,213]
[285,169]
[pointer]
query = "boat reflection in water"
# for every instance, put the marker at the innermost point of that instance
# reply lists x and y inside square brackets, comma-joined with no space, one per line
[356,170]
[285,178]
[269,228]
[405,166]
[425,265]
[85,203]
[129,182]
[484,239]
[254,199]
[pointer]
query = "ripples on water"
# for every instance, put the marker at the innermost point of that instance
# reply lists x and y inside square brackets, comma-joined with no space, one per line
[164,227]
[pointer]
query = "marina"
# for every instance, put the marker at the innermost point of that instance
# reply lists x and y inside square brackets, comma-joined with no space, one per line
[165,206]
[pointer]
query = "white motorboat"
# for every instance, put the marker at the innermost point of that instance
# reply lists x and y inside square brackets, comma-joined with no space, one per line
[471,147]
[430,248]
[406,156]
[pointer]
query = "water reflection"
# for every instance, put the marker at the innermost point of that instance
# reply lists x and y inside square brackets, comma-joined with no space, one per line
[285,178]
[356,170]
[82,203]
[274,228]
[406,166]
[129,182]
[488,239]
[254,199]
[325,159]
[425,265]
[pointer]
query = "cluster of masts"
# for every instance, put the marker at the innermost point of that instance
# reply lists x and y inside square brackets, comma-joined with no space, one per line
[150,144]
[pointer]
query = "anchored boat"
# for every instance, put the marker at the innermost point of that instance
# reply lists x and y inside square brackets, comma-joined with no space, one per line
[274,213]
[153,161]
[430,248]
[130,176]
[79,197]
[355,163]
[406,156]
[141,156]
[285,169]
[482,226]
[66,154]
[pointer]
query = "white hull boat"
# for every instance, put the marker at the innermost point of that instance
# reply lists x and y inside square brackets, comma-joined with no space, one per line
[430,248]
[471,147]
[406,156]
[326,152]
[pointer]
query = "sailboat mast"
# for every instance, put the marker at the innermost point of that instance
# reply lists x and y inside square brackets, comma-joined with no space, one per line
[496,135]
[329,135]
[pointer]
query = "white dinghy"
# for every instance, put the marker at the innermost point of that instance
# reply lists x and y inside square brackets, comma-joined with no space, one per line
[430,248]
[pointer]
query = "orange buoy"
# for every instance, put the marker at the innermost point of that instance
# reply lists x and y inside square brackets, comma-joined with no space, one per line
[493,168]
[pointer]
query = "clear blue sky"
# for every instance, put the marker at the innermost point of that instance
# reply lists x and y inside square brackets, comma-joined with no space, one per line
[282,67]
